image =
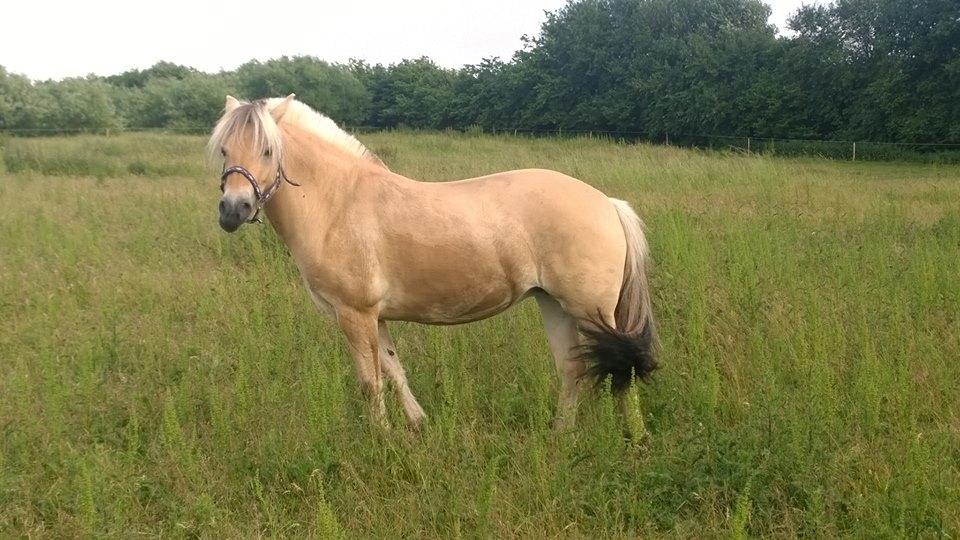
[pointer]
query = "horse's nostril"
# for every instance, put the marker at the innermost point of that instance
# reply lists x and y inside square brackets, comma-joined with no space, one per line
[223,206]
[245,206]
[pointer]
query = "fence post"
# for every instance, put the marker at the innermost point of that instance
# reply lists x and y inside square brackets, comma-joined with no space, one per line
[854,151]
[748,145]
[668,139]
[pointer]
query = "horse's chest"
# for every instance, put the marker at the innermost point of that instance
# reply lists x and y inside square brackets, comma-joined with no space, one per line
[330,288]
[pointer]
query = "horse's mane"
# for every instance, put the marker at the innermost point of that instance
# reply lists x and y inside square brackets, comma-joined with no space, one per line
[266,133]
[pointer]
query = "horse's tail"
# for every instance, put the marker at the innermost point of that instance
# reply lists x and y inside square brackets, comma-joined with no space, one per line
[629,350]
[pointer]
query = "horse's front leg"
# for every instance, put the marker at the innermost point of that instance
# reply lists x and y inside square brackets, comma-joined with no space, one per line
[360,329]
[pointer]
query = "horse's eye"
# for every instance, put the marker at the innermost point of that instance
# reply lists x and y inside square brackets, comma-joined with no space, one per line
[223,152]
[266,153]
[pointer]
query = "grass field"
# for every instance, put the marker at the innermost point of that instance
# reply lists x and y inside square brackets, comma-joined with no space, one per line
[809,311]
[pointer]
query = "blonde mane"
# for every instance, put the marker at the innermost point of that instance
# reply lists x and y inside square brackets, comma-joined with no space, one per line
[266,133]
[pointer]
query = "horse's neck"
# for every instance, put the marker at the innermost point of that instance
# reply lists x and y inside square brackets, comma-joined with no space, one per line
[302,215]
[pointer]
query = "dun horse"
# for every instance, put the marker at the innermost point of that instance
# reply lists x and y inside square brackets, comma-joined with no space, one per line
[373,246]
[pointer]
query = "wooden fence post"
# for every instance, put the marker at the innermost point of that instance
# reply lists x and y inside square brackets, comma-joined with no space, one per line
[854,151]
[748,145]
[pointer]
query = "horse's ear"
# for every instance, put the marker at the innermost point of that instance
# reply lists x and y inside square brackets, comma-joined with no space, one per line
[280,109]
[231,104]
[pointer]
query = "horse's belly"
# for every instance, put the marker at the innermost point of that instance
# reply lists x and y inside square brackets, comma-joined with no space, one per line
[466,306]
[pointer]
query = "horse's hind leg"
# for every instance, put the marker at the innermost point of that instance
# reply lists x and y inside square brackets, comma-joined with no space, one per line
[390,364]
[563,336]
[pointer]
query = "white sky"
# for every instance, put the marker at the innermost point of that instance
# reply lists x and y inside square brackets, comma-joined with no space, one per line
[55,38]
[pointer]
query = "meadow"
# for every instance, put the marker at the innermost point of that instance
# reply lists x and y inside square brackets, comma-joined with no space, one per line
[159,377]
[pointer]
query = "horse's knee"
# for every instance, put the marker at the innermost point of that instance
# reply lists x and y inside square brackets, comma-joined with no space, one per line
[371,386]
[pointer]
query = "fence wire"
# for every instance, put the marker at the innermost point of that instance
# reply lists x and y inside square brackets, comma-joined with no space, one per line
[828,148]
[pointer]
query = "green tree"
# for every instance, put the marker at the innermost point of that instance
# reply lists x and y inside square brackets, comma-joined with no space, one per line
[17,110]
[650,66]
[195,101]
[883,69]
[331,89]
[75,104]
[414,93]
[136,78]
[861,69]
[492,94]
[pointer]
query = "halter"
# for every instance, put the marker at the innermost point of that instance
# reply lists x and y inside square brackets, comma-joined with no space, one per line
[262,196]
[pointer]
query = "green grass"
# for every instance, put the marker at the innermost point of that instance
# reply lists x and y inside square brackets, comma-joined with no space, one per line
[160,377]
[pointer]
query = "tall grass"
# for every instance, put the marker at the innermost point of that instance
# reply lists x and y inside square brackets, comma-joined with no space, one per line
[160,377]
[136,154]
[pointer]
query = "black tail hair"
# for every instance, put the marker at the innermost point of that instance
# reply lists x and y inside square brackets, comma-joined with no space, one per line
[626,351]
[618,355]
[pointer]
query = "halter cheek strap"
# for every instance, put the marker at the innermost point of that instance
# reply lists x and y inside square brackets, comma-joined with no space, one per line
[262,195]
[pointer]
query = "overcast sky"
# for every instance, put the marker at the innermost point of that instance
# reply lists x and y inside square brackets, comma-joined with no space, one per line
[55,39]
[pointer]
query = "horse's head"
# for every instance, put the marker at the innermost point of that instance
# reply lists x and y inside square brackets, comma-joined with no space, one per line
[248,139]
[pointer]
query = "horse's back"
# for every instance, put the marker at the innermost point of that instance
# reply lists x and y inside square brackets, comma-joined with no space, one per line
[533,195]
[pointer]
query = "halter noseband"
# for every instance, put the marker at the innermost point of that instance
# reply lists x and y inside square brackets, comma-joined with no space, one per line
[262,196]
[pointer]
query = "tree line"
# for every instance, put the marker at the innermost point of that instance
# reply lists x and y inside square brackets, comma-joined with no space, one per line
[879,70]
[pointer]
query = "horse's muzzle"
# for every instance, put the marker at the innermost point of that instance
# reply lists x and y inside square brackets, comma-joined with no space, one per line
[234,212]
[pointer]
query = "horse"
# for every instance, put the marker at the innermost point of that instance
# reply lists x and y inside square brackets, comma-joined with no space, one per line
[374,246]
